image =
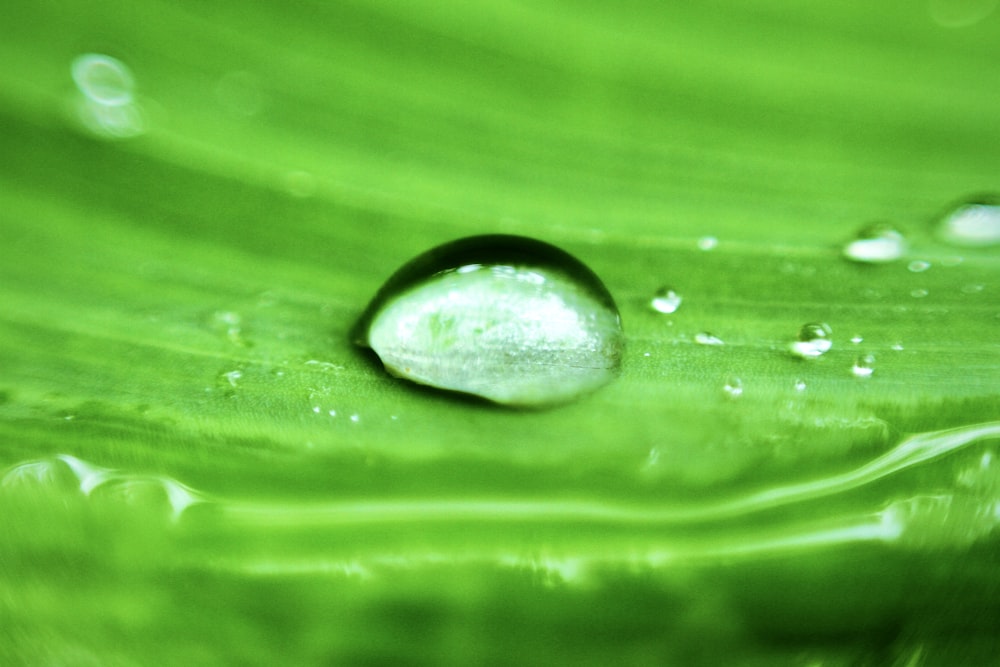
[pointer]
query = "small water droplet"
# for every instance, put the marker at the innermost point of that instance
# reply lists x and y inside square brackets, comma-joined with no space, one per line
[103,79]
[106,103]
[332,413]
[733,387]
[706,338]
[665,301]
[317,409]
[918,266]
[863,366]
[355,418]
[856,339]
[800,385]
[974,223]
[876,244]
[707,243]
[898,347]
[813,341]
[974,288]
[233,377]
[918,293]
[506,318]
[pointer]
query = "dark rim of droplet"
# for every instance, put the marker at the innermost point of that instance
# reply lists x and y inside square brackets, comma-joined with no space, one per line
[975,199]
[488,250]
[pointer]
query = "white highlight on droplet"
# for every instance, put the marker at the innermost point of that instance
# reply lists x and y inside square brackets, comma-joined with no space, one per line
[706,338]
[972,225]
[665,301]
[876,244]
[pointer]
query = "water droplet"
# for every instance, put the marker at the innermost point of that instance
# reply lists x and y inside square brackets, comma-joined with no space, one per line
[733,387]
[106,103]
[863,366]
[161,495]
[665,301]
[856,339]
[814,340]
[45,475]
[974,223]
[355,418]
[918,266]
[973,288]
[233,377]
[800,385]
[506,318]
[103,79]
[876,244]
[705,338]
[918,293]
[707,243]
[898,347]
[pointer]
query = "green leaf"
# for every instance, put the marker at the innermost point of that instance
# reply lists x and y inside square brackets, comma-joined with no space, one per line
[198,467]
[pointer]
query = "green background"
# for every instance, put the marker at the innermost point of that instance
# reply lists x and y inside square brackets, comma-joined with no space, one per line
[176,305]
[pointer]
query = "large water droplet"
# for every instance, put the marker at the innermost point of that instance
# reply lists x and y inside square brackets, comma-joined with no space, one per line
[665,301]
[507,318]
[974,223]
[876,244]
[814,340]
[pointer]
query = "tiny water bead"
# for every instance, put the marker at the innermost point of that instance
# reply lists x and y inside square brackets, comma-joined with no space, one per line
[506,318]
[733,387]
[863,366]
[876,244]
[707,338]
[665,301]
[973,223]
[813,341]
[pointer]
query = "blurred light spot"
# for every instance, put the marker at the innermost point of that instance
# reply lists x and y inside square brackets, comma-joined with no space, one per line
[300,184]
[240,93]
[105,104]
[103,79]
[960,13]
